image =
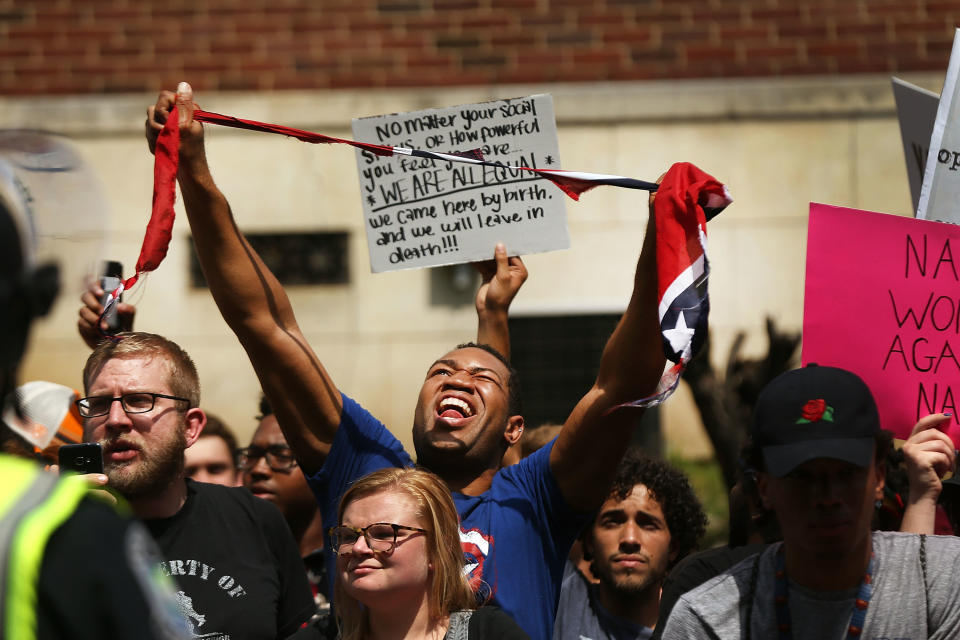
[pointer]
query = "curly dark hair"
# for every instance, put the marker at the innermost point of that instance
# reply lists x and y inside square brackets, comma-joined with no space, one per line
[671,489]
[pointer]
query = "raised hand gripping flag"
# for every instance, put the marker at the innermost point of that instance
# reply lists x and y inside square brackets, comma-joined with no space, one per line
[686,199]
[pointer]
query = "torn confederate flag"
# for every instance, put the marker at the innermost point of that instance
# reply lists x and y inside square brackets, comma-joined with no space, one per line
[686,199]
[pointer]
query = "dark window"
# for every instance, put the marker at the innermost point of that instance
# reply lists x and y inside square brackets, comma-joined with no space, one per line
[557,358]
[294,258]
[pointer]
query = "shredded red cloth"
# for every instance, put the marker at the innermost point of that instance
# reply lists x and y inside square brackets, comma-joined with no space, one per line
[307,136]
[160,228]
[156,239]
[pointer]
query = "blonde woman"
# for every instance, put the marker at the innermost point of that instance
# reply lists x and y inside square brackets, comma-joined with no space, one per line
[399,570]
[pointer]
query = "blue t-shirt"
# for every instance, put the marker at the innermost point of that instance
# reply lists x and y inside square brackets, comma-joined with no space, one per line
[515,536]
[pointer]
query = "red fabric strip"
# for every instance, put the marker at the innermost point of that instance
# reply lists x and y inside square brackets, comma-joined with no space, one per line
[156,239]
[160,228]
[570,185]
[307,136]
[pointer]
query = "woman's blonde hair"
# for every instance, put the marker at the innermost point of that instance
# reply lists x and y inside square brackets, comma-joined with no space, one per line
[449,590]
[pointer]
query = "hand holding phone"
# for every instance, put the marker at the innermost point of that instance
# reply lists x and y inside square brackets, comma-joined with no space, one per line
[110,280]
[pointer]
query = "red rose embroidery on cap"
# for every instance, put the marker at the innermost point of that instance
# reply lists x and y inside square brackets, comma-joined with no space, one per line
[816,411]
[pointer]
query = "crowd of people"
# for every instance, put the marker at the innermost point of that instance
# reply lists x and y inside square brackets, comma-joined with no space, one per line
[323,526]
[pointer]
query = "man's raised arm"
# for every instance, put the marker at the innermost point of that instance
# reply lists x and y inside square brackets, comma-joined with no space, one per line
[591,444]
[500,280]
[304,398]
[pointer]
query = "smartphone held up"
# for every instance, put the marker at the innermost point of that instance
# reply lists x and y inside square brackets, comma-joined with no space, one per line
[110,280]
[81,458]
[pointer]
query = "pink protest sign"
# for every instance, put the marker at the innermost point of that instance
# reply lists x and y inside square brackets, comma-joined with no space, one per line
[882,300]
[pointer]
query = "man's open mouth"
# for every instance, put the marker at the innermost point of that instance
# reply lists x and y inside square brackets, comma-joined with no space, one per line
[453,408]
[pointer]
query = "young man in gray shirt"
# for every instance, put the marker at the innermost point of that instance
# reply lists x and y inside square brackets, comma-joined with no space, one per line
[650,521]
[818,453]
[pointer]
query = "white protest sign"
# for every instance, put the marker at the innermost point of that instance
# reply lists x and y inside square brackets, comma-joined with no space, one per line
[421,212]
[940,193]
[916,110]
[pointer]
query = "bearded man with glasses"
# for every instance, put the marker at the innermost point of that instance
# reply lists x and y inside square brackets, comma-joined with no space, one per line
[232,556]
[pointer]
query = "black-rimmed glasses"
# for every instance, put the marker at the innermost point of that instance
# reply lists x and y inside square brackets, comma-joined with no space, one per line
[278,457]
[380,536]
[139,402]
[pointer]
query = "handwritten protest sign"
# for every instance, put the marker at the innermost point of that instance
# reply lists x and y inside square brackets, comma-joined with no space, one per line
[421,212]
[882,300]
[916,111]
[940,193]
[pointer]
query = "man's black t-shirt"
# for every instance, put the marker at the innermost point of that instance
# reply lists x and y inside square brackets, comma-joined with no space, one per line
[97,581]
[237,567]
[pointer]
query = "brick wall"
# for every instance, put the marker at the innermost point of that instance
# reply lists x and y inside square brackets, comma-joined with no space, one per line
[82,46]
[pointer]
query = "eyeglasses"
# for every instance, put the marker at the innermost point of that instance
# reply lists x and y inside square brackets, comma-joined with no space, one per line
[140,402]
[380,536]
[278,457]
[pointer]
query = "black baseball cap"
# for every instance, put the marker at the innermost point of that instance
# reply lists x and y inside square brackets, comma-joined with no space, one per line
[815,412]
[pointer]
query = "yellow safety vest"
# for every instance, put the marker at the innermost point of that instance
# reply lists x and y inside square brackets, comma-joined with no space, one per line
[33,504]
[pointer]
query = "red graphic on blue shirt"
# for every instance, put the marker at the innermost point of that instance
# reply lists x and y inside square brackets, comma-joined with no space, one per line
[476,547]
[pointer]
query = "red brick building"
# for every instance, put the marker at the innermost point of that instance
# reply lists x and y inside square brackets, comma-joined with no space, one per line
[83,46]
